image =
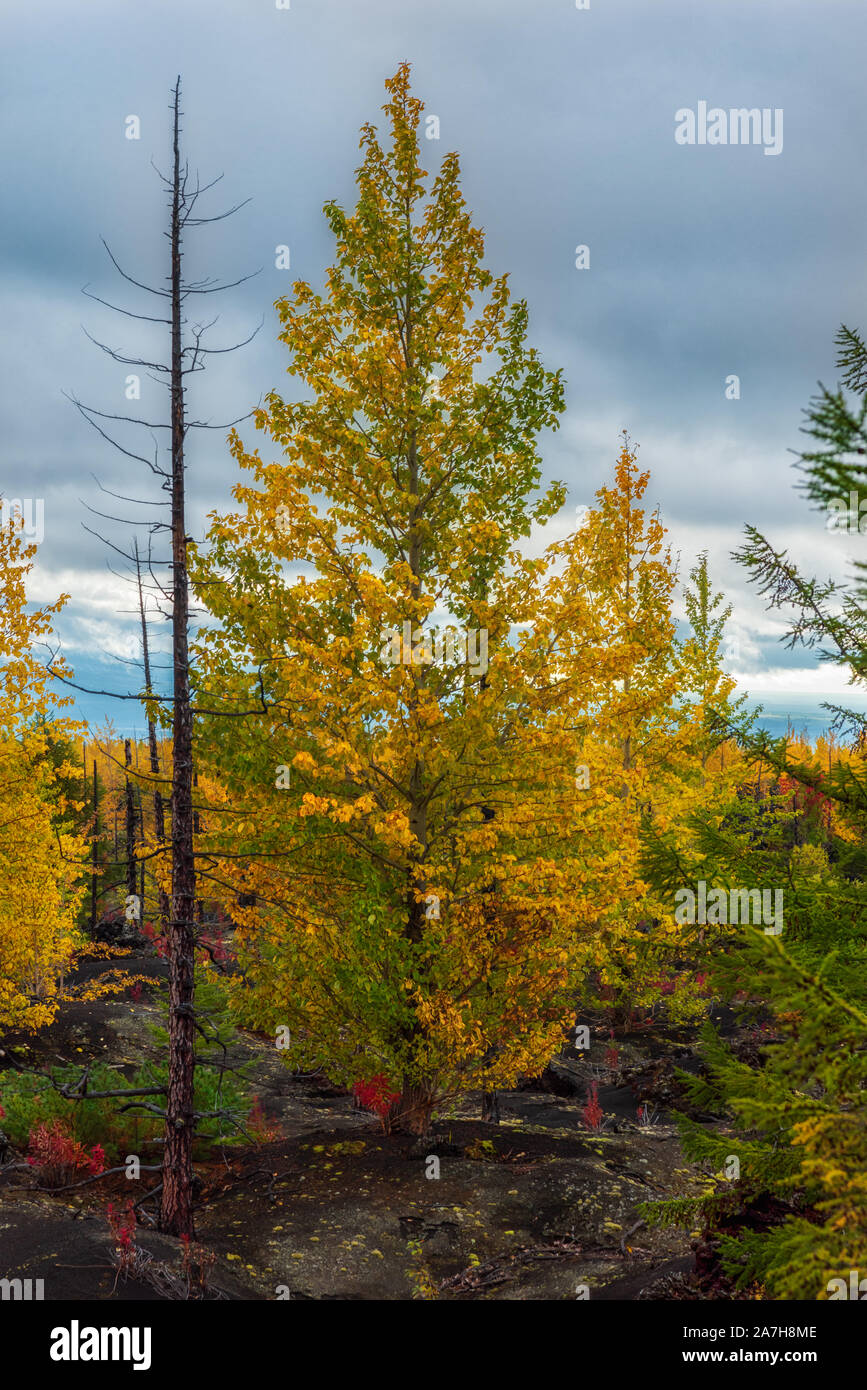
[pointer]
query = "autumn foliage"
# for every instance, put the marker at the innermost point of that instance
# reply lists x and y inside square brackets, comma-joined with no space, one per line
[461,774]
[59,1157]
[40,853]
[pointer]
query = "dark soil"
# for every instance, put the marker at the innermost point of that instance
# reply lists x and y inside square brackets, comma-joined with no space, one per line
[536,1207]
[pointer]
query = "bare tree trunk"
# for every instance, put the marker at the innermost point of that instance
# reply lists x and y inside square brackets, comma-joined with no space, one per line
[141,872]
[94,851]
[491,1107]
[178,911]
[176,1215]
[130,822]
[153,748]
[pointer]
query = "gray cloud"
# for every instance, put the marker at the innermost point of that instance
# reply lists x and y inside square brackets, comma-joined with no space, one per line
[704,261]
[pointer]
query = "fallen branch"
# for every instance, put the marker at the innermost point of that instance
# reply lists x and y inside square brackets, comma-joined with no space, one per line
[626,1234]
[502,1268]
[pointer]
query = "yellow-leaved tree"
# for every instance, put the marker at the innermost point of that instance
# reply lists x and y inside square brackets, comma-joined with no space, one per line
[40,857]
[401,802]
[662,730]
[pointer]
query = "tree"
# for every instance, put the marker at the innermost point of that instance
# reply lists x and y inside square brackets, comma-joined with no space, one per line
[714,710]
[187,355]
[159,822]
[631,573]
[794,1218]
[405,806]
[620,558]
[787,1207]
[40,855]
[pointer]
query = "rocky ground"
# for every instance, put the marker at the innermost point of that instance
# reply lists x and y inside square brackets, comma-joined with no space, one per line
[531,1208]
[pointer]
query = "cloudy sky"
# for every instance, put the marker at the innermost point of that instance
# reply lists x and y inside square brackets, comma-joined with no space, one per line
[706,260]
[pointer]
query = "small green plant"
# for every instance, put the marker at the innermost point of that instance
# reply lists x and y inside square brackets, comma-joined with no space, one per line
[34,1099]
[482,1151]
[418,1274]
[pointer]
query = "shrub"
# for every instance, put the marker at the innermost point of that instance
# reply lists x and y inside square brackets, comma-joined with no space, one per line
[259,1127]
[122,1226]
[59,1157]
[591,1112]
[377,1096]
[32,1099]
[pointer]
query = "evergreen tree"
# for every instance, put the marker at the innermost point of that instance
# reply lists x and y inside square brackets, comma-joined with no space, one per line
[714,709]
[791,1212]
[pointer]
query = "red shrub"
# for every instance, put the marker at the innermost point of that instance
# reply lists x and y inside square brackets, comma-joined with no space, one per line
[261,1129]
[214,949]
[591,1113]
[122,1226]
[59,1157]
[156,938]
[375,1095]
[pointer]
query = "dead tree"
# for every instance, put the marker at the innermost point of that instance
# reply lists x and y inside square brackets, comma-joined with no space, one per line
[186,355]
[129,821]
[177,1197]
[94,872]
[153,746]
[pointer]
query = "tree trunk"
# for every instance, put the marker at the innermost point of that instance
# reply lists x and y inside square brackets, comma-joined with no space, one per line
[176,1214]
[94,851]
[153,748]
[491,1107]
[130,823]
[411,1113]
[197,830]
